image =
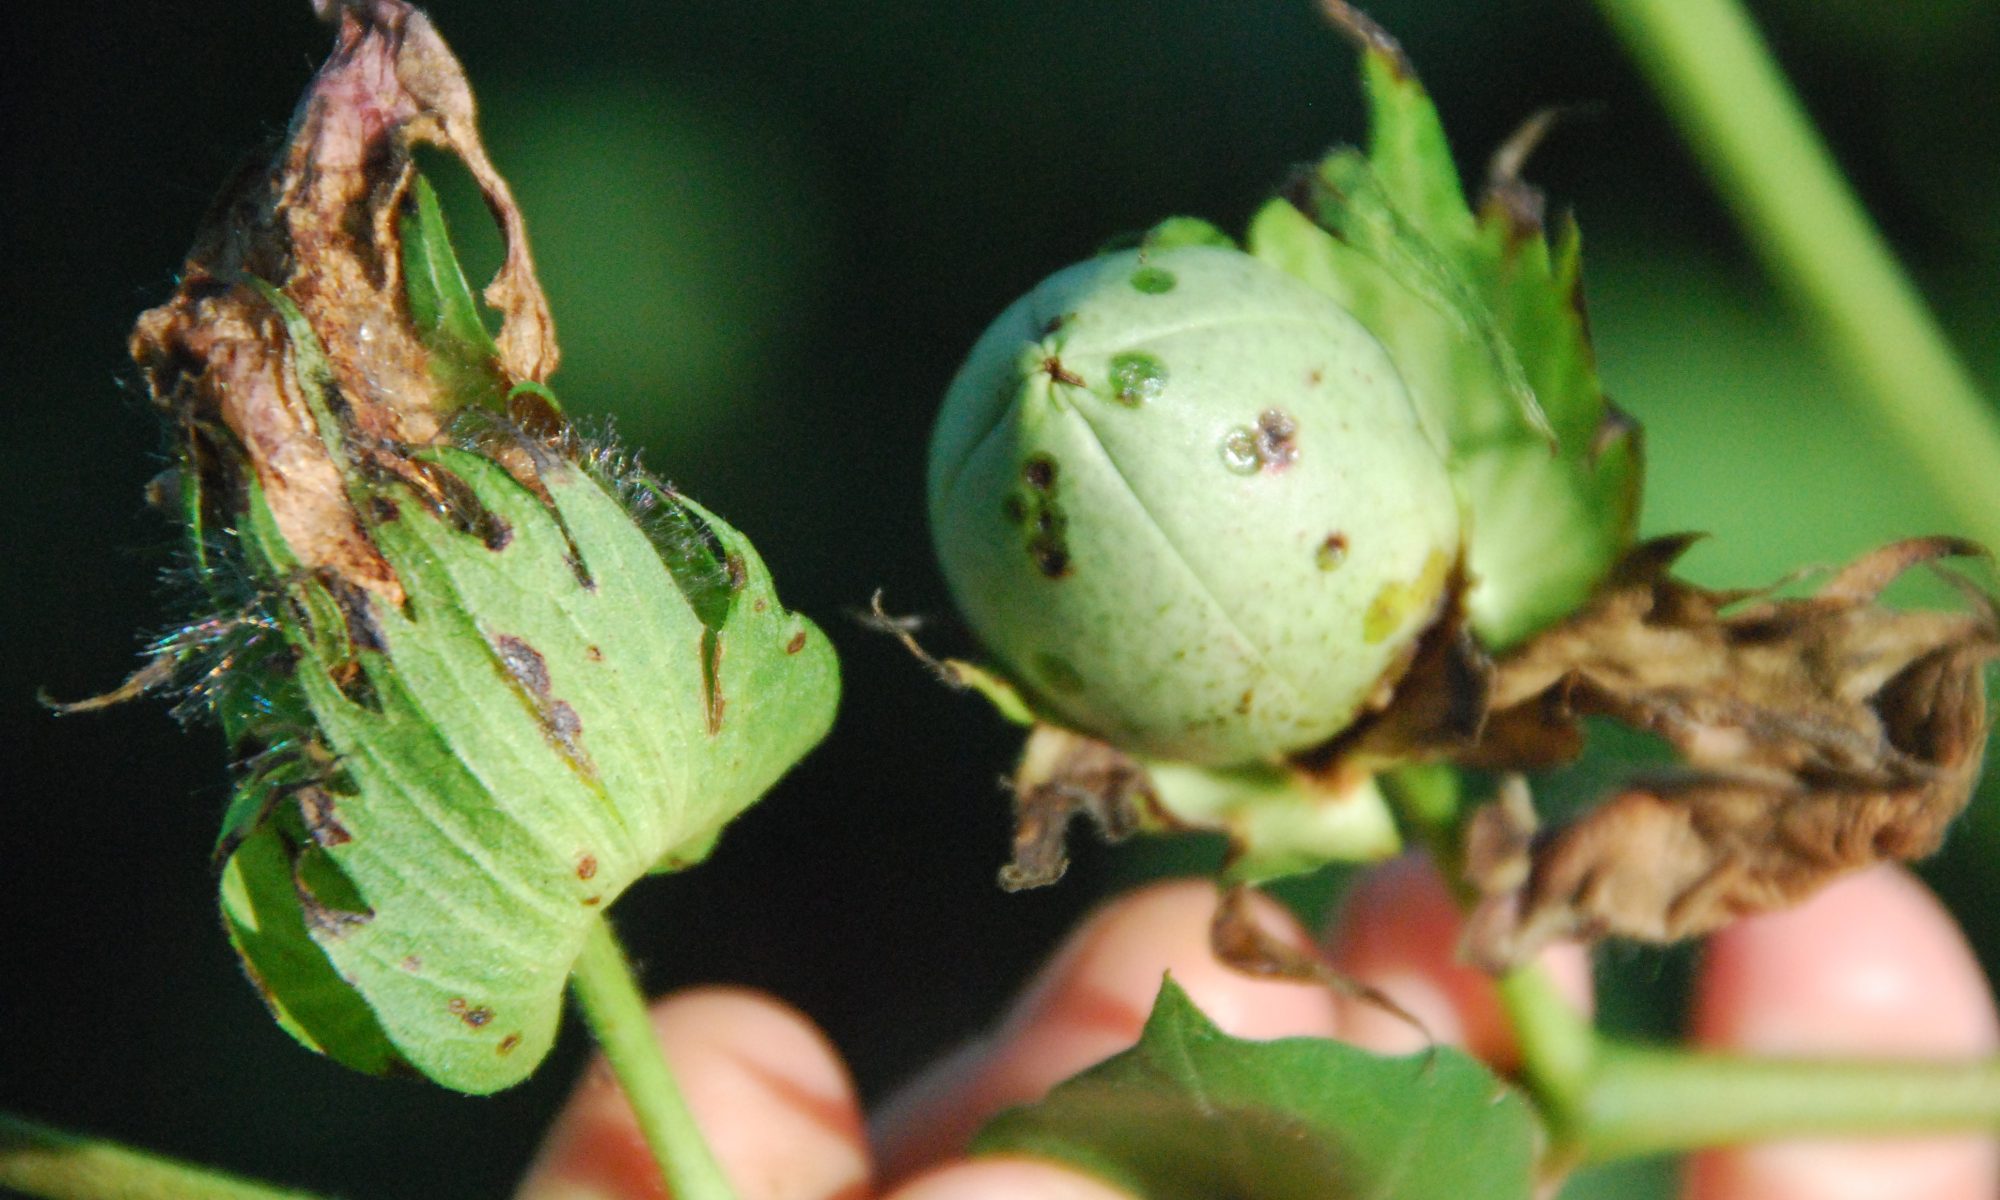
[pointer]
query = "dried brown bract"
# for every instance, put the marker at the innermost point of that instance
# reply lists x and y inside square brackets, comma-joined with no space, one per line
[1820,735]
[316,228]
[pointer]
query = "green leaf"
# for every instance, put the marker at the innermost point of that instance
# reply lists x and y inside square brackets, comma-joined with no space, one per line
[443,309]
[1190,1112]
[551,715]
[1483,314]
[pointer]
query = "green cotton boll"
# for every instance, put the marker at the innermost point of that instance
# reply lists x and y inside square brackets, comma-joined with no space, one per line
[1185,502]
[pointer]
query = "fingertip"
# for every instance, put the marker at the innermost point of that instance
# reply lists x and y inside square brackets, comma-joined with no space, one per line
[1398,932]
[770,1094]
[1871,966]
[1090,1002]
[1002,1178]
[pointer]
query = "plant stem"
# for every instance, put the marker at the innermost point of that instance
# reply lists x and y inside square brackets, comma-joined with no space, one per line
[36,1160]
[1645,1100]
[1745,123]
[616,1013]
[1604,1099]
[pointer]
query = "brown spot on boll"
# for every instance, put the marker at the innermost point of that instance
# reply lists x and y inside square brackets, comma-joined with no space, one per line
[508,1043]
[1040,473]
[1277,439]
[797,643]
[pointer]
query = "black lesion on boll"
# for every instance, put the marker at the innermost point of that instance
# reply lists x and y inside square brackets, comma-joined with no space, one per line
[1048,544]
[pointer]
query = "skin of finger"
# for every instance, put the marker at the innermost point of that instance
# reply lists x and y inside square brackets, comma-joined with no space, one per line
[1001,1178]
[1398,931]
[1873,965]
[769,1093]
[1088,1003]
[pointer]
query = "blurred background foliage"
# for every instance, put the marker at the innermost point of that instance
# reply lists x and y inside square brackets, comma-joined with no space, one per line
[769,232]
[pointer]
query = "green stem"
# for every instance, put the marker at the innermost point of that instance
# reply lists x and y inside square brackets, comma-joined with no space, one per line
[36,1160]
[616,1012]
[1605,1099]
[1743,120]
[1645,1100]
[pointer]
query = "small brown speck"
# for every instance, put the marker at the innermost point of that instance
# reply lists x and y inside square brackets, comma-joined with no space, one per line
[508,1043]
[1040,472]
[1060,373]
[593,654]
[1331,552]
[1051,556]
[586,867]
[412,963]
[797,643]
[592,901]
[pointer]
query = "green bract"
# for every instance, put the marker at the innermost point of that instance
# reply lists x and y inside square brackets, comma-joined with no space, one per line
[1186,502]
[481,673]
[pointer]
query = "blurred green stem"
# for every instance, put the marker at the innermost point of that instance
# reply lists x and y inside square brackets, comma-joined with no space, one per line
[616,1012]
[1603,1099]
[36,1160]
[1745,123]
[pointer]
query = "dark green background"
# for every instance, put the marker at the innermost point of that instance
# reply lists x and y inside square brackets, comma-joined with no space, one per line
[769,232]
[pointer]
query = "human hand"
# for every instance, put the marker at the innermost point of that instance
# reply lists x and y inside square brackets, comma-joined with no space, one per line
[1871,966]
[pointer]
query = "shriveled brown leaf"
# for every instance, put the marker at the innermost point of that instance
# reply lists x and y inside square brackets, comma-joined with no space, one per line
[1821,735]
[1064,775]
[319,224]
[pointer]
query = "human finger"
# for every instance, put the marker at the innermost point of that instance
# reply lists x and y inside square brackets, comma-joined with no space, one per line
[1872,966]
[770,1095]
[1090,1002]
[1398,931]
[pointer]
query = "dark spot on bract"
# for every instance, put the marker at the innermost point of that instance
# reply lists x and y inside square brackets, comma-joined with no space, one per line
[524,663]
[593,654]
[1040,472]
[592,901]
[474,1016]
[508,1043]
[586,867]
[1244,702]
[566,726]
[758,605]
[1331,552]
[797,643]
[1153,281]
[1013,509]
[453,500]
[316,809]
[1054,324]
